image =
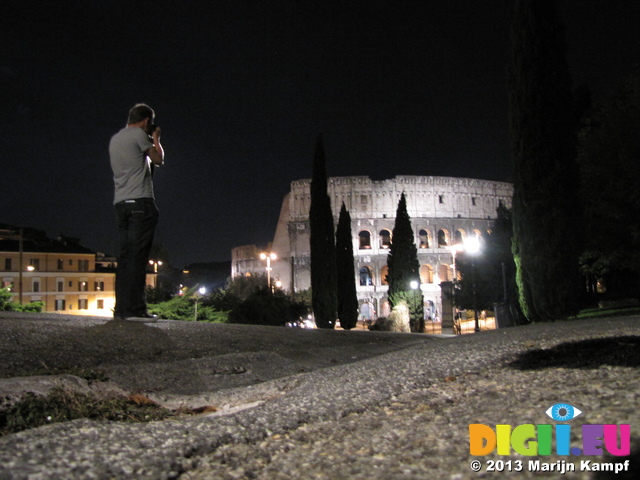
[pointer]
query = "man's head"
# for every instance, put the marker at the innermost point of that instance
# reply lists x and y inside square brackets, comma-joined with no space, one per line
[141,115]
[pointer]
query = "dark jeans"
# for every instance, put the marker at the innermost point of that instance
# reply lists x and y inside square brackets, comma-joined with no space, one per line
[137,220]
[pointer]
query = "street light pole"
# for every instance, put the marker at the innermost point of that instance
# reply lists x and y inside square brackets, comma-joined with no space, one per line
[155,264]
[201,291]
[268,257]
[472,246]
[475,301]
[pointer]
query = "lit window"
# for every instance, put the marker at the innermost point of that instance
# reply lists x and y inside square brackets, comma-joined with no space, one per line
[424,239]
[426,274]
[384,272]
[385,239]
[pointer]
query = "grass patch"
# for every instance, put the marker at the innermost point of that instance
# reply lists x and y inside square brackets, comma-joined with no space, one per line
[62,405]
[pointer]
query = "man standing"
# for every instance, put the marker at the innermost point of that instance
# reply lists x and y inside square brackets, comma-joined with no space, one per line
[134,151]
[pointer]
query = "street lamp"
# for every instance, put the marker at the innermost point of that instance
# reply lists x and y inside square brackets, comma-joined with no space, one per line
[156,264]
[473,246]
[201,291]
[458,247]
[268,257]
[417,299]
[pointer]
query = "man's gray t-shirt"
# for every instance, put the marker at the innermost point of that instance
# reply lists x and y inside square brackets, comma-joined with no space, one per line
[130,165]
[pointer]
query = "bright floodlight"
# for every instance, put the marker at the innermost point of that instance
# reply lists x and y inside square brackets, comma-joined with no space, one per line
[202,290]
[413,284]
[472,245]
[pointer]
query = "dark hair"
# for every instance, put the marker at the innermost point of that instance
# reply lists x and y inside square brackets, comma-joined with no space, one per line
[139,112]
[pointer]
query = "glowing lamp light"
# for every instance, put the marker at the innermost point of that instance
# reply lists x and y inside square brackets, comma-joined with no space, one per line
[472,245]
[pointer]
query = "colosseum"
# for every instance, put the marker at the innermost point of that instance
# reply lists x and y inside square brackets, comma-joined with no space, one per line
[443,211]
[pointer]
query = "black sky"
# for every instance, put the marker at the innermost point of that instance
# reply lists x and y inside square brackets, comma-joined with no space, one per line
[242,89]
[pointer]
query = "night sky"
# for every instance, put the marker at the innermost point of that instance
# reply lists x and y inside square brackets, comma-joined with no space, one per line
[241,90]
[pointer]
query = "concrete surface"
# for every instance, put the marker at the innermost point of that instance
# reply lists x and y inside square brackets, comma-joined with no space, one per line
[302,404]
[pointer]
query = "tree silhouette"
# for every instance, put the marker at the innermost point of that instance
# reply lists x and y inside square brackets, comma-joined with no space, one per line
[322,243]
[347,296]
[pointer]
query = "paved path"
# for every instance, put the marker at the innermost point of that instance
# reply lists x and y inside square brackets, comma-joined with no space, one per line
[387,406]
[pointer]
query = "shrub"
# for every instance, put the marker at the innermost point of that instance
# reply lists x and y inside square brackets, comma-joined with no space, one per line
[266,308]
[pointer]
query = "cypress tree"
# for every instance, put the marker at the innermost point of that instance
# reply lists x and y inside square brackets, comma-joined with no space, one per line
[347,297]
[545,210]
[324,297]
[404,267]
[609,160]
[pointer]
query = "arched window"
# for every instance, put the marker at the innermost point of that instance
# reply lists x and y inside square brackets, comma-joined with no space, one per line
[444,272]
[426,274]
[366,276]
[442,238]
[429,310]
[458,237]
[385,238]
[365,239]
[424,239]
[384,271]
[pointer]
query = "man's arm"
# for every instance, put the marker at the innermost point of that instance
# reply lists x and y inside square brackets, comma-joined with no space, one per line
[156,153]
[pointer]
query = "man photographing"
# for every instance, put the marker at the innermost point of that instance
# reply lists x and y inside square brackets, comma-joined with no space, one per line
[134,151]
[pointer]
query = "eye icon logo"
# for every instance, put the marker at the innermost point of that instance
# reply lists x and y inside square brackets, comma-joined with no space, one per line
[563,412]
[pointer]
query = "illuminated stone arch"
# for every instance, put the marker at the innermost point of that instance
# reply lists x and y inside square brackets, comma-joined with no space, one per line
[364,238]
[443,237]
[366,276]
[384,271]
[385,238]
[423,239]
[444,272]
[426,274]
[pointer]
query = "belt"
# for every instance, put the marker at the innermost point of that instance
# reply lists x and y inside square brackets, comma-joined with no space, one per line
[136,200]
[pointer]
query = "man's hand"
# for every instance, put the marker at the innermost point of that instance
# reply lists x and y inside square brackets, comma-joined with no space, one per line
[156,153]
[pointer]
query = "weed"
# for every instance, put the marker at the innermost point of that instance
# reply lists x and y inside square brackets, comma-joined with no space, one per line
[62,404]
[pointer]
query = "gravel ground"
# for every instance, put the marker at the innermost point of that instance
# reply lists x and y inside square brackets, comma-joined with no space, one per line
[423,434]
[399,415]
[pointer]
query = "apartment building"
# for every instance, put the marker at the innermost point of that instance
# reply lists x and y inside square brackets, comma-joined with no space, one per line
[62,274]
